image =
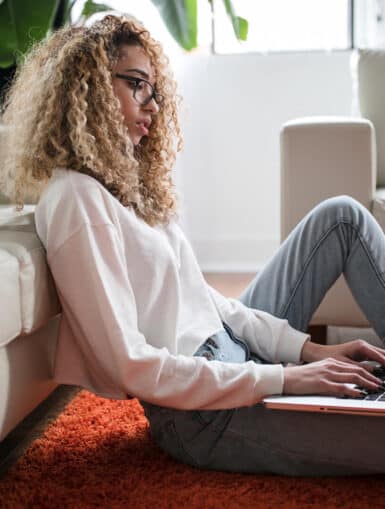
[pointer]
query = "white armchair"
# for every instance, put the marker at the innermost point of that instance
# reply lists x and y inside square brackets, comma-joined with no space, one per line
[329,156]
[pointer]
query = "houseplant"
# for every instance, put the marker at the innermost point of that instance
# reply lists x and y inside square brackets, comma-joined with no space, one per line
[23,22]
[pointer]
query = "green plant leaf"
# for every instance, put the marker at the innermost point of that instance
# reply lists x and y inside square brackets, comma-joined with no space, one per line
[180,17]
[240,25]
[70,4]
[91,8]
[21,24]
[63,15]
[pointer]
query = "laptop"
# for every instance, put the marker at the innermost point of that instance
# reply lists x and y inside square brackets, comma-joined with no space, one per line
[371,403]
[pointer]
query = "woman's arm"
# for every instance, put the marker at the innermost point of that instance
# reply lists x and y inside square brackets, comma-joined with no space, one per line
[270,337]
[90,272]
[332,366]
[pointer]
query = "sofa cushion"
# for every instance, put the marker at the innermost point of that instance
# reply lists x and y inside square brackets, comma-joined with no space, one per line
[28,296]
[378,206]
[371,94]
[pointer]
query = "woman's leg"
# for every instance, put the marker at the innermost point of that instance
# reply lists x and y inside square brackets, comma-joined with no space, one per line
[338,236]
[259,440]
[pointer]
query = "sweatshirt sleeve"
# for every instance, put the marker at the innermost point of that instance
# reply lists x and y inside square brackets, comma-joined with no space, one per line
[270,337]
[90,273]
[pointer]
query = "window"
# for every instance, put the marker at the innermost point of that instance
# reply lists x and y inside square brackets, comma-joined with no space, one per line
[369,23]
[283,25]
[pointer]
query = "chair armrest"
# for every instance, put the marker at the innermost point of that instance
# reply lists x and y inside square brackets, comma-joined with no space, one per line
[323,157]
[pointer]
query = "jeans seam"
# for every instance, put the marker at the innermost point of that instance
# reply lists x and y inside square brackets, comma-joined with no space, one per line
[316,247]
[305,266]
[369,255]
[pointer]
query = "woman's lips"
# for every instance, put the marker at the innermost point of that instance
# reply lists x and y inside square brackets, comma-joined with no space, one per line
[142,128]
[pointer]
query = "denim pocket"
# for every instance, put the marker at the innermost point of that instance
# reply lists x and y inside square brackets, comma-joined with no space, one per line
[170,441]
[199,433]
[190,436]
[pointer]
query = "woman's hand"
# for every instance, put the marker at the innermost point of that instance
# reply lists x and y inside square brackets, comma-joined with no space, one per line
[352,352]
[332,368]
[329,376]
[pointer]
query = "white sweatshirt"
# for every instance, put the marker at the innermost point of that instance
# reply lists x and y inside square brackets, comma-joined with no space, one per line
[136,307]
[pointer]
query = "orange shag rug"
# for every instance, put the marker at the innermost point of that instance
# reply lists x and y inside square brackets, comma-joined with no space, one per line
[98,453]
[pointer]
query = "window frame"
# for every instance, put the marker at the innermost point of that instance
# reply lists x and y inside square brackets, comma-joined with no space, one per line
[351,43]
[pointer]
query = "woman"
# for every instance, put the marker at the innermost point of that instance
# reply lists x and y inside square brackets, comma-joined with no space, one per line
[93,131]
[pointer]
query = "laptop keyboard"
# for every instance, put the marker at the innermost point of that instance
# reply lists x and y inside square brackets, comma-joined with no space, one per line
[369,395]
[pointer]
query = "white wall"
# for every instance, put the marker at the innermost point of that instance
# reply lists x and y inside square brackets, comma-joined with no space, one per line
[228,174]
[234,106]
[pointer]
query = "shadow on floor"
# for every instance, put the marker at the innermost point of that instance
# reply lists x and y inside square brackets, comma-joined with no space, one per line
[30,428]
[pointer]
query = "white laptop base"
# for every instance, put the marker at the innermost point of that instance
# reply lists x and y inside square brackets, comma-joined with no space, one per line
[326,404]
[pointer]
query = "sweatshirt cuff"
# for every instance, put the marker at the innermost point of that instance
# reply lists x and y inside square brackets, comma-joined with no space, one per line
[269,380]
[290,345]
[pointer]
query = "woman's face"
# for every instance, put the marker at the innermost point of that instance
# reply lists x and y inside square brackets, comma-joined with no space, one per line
[134,63]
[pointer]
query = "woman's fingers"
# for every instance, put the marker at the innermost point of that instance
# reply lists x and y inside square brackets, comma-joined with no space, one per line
[356,372]
[357,379]
[361,350]
[341,390]
[352,351]
[329,376]
[377,354]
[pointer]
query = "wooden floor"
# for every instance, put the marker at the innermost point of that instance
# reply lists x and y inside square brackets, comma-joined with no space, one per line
[230,285]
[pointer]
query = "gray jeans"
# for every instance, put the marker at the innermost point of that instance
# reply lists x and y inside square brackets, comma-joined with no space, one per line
[338,236]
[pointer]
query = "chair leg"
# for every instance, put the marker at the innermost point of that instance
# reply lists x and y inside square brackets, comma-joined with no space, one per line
[318,333]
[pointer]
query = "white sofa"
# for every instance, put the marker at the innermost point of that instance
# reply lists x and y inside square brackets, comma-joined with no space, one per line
[329,156]
[29,317]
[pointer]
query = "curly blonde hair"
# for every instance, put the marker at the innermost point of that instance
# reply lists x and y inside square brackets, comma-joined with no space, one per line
[61,111]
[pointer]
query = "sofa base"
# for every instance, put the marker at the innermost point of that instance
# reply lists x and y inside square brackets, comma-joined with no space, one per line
[337,335]
[25,374]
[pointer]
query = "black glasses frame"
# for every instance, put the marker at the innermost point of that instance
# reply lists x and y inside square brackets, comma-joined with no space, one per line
[158,98]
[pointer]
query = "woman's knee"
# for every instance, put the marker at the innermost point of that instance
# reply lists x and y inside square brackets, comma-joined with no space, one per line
[342,207]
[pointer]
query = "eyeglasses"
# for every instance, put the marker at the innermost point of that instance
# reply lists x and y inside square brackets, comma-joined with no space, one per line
[143,91]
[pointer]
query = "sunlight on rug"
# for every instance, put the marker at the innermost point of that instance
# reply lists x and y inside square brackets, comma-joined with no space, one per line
[98,453]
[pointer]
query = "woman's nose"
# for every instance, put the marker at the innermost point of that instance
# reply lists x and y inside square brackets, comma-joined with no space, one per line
[152,107]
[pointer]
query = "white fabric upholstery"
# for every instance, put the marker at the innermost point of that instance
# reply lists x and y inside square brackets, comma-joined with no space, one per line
[10,315]
[378,206]
[323,157]
[28,297]
[371,94]
[338,335]
[26,366]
